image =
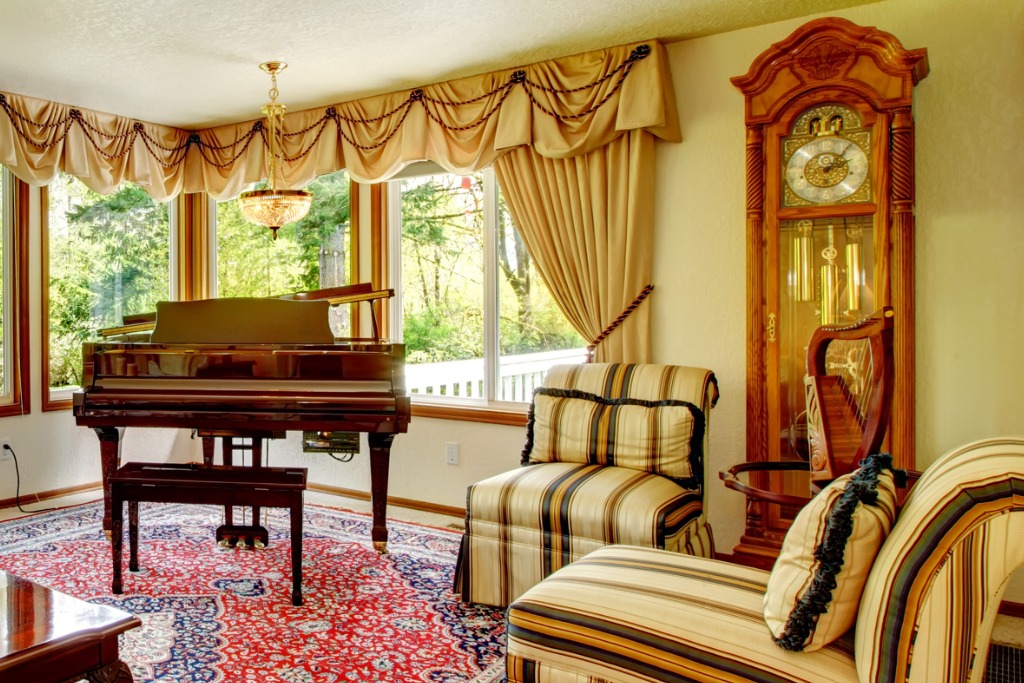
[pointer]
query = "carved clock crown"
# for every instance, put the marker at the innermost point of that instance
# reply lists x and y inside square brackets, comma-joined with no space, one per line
[827,51]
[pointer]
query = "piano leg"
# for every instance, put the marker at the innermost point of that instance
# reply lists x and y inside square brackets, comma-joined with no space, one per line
[380,458]
[110,460]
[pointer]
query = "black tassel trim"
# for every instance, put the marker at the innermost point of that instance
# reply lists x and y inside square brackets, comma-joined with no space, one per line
[862,488]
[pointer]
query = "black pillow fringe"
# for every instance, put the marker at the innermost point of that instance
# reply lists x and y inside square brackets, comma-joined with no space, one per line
[862,488]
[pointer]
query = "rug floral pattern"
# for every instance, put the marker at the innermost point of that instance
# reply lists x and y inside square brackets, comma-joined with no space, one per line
[215,615]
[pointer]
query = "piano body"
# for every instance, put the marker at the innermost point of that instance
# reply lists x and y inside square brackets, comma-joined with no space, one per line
[245,368]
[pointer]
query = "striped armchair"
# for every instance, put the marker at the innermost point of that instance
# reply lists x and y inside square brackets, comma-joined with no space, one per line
[614,453]
[926,613]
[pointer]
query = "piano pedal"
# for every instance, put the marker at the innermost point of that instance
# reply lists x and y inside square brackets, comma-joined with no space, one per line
[224,543]
[242,536]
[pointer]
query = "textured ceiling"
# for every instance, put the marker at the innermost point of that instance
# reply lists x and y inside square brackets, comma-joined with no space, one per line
[194,63]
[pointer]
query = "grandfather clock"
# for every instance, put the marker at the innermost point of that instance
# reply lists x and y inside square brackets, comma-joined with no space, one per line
[830,231]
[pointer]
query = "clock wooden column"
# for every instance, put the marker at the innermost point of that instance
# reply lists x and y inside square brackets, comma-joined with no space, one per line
[830,231]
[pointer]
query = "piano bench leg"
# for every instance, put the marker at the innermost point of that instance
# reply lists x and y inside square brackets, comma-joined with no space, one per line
[296,533]
[133,536]
[116,543]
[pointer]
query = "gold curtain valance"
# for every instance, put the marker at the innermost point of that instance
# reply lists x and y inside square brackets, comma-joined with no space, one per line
[560,108]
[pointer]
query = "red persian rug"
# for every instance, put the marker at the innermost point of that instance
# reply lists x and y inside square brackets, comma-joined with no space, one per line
[215,615]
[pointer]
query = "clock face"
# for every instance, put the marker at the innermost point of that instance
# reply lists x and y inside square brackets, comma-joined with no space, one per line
[826,170]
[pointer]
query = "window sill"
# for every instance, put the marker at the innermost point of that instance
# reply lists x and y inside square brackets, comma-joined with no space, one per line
[13,408]
[58,399]
[510,416]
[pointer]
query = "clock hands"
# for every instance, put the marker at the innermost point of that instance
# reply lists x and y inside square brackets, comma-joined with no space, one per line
[826,169]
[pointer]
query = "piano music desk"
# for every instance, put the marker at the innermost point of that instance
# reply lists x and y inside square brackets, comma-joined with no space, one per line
[137,482]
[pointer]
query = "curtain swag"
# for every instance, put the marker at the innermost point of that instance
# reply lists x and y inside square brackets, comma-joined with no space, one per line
[559,108]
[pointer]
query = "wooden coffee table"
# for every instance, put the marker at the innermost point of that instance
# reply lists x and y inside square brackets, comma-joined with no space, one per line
[48,637]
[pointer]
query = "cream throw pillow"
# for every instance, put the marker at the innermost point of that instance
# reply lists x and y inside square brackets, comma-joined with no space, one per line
[663,437]
[815,586]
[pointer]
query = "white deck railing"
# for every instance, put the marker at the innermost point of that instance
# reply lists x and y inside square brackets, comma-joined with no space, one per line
[520,375]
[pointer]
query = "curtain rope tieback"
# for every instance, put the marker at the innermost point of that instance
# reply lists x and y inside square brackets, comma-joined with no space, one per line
[618,321]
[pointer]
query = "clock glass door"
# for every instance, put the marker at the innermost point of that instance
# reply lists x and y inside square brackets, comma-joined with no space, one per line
[827,276]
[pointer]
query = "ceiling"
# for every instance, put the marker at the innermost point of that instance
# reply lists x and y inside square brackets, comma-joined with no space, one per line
[195,63]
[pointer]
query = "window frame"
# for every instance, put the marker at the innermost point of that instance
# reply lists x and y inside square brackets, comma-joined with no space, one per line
[50,401]
[62,399]
[488,409]
[16,198]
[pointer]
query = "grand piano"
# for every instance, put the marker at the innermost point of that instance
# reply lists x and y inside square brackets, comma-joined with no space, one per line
[246,369]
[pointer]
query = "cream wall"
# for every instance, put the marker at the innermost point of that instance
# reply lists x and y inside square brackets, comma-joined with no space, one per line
[969,114]
[970,150]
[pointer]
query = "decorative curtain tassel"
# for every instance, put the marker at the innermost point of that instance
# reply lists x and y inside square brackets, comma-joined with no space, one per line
[618,321]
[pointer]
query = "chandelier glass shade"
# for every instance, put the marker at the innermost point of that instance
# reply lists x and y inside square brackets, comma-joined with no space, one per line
[273,207]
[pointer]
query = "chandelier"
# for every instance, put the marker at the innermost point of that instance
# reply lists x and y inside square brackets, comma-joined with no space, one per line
[272,207]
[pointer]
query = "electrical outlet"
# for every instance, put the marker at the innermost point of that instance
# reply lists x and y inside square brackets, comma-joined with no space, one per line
[451,453]
[5,449]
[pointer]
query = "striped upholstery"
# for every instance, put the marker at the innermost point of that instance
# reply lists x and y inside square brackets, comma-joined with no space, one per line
[523,524]
[663,437]
[939,578]
[526,523]
[630,614]
[627,614]
[644,381]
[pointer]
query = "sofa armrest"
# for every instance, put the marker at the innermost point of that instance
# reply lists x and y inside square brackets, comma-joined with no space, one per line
[934,590]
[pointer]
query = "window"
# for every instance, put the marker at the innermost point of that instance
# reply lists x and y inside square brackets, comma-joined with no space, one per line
[313,253]
[478,323]
[14,396]
[104,257]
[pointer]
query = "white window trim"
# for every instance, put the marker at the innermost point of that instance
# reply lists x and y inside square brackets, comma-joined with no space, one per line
[492,348]
[173,215]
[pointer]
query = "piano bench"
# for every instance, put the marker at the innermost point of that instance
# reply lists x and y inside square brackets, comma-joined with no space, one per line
[136,482]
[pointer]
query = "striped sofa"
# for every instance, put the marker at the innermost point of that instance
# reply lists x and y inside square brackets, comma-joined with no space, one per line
[614,454]
[627,613]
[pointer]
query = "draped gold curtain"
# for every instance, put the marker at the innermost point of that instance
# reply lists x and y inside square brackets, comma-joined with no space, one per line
[565,122]
[560,108]
[587,222]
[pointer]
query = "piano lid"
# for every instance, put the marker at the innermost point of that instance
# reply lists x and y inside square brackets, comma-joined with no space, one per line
[138,326]
[242,321]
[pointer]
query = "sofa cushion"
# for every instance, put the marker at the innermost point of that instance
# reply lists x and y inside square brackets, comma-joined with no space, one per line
[638,615]
[526,523]
[815,586]
[661,437]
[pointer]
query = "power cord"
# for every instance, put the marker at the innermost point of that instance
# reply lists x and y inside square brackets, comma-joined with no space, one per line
[17,482]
